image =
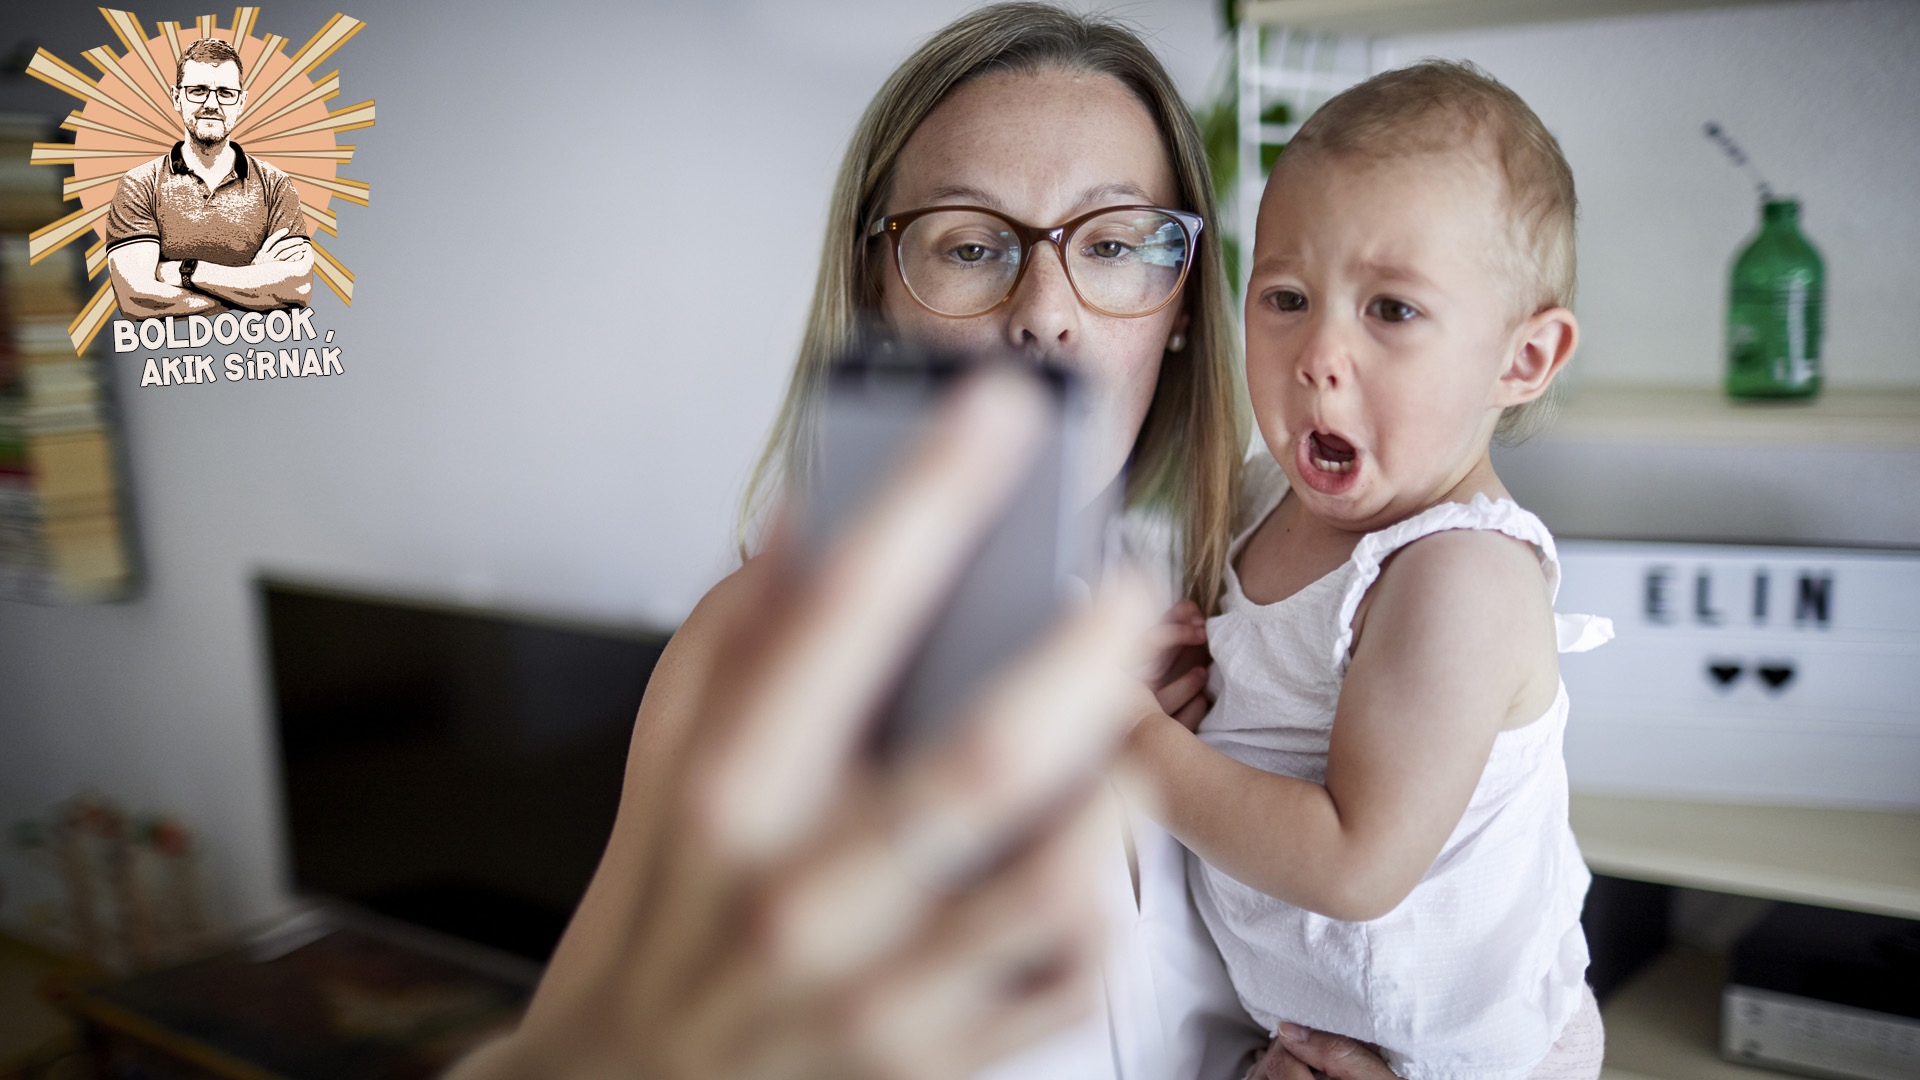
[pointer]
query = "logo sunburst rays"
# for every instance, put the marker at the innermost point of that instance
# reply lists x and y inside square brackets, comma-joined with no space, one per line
[128,119]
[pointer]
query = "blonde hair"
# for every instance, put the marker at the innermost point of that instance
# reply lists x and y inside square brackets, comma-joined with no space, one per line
[1450,106]
[1186,458]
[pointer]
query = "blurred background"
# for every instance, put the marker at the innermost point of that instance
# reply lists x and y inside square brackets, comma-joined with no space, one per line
[580,281]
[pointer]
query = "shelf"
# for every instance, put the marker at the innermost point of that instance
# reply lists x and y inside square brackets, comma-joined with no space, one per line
[1864,860]
[1383,18]
[1664,1023]
[30,1028]
[1869,419]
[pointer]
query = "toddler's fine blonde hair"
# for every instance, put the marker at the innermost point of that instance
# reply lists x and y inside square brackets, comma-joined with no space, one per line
[1455,106]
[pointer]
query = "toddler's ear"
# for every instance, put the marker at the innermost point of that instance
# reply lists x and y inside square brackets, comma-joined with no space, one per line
[1542,346]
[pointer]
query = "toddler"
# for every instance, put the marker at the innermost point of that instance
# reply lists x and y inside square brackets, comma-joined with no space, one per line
[1377,797]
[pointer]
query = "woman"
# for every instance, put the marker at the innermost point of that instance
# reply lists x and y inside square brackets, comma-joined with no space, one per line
[768,904]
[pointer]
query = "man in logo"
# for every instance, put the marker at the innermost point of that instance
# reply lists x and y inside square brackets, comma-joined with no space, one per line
[204,227]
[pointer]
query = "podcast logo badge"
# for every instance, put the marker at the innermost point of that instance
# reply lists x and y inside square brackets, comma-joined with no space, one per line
[205,161]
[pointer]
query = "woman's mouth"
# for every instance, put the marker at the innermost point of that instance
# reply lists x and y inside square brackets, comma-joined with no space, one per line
[1327,463]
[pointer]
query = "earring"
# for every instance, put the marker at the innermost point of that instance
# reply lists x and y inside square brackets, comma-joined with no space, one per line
[1177,342]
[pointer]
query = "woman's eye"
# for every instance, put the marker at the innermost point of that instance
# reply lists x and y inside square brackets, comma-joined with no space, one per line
[1287,300]
[970,252]
[1107,249]
[1392,310]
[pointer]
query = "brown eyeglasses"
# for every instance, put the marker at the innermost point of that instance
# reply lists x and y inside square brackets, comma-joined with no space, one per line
[961,261]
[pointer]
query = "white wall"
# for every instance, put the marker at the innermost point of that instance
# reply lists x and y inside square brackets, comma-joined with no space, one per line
[580,282]
[1824,97]
[555,379]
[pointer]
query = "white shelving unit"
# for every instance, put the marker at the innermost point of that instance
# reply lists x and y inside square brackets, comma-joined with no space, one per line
[1664,1023]
[1281,62]
[1861,860]
[1844,418]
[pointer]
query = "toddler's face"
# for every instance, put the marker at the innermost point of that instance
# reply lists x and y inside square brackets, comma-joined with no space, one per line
[1378,326]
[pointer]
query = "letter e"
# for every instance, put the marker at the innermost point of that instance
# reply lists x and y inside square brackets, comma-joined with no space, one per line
[1657,608]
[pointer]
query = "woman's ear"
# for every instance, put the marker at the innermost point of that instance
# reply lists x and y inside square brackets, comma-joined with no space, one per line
[1542,346]
[1177,338]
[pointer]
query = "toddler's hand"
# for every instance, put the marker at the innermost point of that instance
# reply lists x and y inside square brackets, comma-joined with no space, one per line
[1180,629]
[1176,663]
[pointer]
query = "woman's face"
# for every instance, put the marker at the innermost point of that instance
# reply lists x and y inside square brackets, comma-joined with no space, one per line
[1043,149]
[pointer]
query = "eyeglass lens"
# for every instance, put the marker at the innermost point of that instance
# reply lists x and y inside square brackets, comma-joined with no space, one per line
[226,95]
[963,262]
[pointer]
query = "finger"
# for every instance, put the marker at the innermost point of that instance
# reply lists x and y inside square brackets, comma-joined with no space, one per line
[1186,611]
[1175,696]
[870,889]
[861,614]
[1038,731]
[1042,1011]
[962,948]
[1011,961]
[293,247]
[272,239]
[1193,712]
[1280,1065]
[1160,644]
[1338,1056]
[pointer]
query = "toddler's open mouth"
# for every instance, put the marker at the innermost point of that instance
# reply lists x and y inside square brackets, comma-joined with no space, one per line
[1329,453]
[1326,462]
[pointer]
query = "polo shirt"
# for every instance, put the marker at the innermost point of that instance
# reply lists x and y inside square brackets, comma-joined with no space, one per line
[163,200]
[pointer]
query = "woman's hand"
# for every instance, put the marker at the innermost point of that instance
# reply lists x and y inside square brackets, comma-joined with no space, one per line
[1297,1052]
[1177,663]
[774,905]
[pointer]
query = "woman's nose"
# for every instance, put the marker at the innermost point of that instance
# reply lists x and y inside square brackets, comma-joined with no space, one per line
[1043,316]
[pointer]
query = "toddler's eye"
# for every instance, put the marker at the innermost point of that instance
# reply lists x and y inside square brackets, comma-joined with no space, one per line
[1287,300]
[1392,310]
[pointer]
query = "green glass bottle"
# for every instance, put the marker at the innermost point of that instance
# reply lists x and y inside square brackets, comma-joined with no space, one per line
[1776,310]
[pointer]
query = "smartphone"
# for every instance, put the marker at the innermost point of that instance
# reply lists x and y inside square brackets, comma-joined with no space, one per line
[1033,561]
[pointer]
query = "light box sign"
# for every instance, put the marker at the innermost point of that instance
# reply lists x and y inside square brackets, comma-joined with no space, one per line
[1748,673]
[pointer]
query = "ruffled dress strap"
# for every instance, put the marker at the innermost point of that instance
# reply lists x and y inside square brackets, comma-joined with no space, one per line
[1576,633]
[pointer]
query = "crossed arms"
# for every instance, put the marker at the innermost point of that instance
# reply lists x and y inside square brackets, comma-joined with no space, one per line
[280,275]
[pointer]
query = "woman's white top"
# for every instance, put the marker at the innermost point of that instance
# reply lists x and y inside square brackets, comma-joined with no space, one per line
[1477,970]
[1166,1010]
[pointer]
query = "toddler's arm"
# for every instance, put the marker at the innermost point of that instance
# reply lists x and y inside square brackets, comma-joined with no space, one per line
[1454,642]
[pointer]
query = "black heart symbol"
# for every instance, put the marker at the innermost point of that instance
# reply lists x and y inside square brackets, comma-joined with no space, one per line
[1724,672]
[1775,675]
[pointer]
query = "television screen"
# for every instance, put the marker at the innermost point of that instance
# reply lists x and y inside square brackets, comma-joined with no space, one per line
[453,768]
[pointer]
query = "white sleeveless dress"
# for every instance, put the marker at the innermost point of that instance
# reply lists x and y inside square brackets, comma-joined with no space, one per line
[1477,971]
